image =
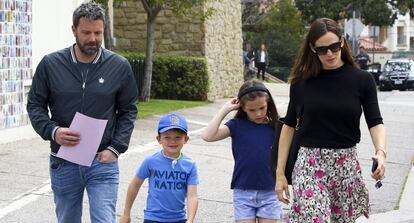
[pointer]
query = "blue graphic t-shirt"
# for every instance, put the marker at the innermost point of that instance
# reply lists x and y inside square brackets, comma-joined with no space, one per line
[167,186]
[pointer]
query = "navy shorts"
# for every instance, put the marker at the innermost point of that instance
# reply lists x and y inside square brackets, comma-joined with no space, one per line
[150,221]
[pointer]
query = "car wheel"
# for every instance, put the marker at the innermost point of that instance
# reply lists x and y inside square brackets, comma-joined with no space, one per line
[383,89]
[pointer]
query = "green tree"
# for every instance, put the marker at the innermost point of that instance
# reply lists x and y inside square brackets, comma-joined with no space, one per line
[153,8]
[252,16]
[282,31]
[373,12]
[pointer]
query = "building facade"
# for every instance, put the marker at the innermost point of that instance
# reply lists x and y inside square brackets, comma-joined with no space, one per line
[28,31]
[390,41]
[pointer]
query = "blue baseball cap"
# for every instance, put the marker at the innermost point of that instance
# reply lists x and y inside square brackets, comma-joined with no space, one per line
[172,121]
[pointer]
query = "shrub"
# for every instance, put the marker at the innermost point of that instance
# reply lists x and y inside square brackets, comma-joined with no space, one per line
[174,77]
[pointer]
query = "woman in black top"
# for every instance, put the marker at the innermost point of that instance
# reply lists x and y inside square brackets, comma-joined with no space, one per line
[327,181]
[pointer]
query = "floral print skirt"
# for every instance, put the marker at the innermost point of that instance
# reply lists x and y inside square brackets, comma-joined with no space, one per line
[328,187]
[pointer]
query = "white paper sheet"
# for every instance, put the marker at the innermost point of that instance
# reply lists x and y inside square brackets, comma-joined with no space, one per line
[91,131]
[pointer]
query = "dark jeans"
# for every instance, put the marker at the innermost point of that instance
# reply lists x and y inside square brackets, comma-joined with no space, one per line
[261,68]
[149,221]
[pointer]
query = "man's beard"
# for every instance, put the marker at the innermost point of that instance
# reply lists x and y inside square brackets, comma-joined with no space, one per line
[86,48]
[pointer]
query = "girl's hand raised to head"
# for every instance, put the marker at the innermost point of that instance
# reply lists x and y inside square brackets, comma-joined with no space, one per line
[232,104]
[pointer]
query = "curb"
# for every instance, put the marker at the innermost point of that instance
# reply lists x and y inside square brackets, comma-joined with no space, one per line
[406,203]
[406,212]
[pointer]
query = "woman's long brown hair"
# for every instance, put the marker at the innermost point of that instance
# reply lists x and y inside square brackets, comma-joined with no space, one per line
[307,63]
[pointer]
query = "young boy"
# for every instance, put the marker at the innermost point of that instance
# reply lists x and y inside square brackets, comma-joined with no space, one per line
[172,177]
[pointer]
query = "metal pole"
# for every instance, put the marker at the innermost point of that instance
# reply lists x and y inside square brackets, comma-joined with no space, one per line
[353,33]
[373,46]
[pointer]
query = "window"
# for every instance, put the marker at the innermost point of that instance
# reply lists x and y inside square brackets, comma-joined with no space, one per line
[401,35]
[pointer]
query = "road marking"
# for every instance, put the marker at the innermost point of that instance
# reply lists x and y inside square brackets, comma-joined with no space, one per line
[26,198]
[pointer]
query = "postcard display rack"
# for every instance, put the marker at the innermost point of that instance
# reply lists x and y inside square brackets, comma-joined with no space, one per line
[16,60]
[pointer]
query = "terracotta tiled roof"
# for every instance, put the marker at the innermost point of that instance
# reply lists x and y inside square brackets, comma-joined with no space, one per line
[368,44]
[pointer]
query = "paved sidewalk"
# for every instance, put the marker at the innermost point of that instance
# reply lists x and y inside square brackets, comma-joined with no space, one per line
[21,146]
[406,212]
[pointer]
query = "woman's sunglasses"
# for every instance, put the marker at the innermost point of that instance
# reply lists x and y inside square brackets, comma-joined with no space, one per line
[323,50]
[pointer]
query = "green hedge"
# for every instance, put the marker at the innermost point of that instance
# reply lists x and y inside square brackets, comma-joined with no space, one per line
[280,72]
[176,77]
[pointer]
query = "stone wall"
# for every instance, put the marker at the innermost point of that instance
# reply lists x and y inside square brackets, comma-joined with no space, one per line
[224,52]
[175,36]
[218,39]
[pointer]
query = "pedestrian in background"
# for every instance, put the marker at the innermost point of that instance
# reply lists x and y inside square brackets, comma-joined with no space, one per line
[262,61]
[363,58]
[246,62]
[98,83]
[252,133]
[327,181]
[172,177]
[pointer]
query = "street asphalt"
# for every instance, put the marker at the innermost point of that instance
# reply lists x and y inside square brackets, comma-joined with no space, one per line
[25,194]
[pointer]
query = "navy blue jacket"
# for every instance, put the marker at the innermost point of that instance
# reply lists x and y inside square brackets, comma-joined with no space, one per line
[107,90]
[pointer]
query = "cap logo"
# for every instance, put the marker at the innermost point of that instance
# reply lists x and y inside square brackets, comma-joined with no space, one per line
[174,120]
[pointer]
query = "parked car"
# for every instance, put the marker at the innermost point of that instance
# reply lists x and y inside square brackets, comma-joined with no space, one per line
[397,74]
[375,70]
[402,54]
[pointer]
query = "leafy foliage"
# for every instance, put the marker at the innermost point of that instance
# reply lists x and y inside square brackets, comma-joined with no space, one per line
[181,8]
[312,10]
[282,32]
[377,13]
[176,77]
[180,78]
[252,17]
[373,12]
[152,8]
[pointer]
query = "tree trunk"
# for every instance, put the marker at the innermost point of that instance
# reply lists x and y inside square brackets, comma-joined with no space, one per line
[146,91]
[107,33]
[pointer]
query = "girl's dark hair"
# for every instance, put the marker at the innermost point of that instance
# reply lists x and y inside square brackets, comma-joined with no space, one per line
[307,63]
[262,91]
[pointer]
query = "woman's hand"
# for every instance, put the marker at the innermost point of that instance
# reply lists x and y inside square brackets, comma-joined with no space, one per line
[379,173]
[282,189]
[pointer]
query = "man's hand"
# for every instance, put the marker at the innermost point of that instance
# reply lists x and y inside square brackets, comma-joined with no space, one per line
[67,137]
[106,156]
